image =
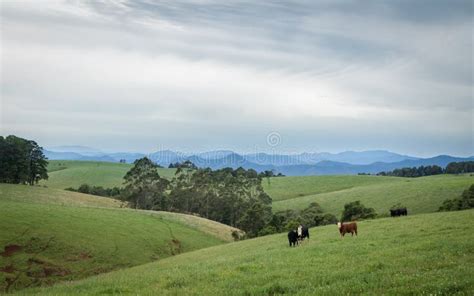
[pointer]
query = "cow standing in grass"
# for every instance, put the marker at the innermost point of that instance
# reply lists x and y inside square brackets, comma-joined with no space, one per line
[398,212]
[346,228]
[293,238]
[303,232]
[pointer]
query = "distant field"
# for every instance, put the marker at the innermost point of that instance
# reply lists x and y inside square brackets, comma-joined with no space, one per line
[88,235]
[283,188]
[63,174]
[422,254]
[419,195]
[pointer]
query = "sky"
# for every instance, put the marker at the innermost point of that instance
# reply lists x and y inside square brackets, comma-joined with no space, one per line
[273,76]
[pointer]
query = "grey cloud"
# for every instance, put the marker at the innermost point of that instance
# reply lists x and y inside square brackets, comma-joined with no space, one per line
[414,58]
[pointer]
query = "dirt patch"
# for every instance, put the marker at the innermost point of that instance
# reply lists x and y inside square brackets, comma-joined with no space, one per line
[9,250]
[55,271]
[43,269]
[79,256]
[8,269]
[35,261]
[85,256]
[175,246]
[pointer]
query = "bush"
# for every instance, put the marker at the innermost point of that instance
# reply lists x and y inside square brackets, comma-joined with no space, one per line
[324,219]
[84,188]
[267,230]
[237,235]
[356,211]
[292,224]
[466,201]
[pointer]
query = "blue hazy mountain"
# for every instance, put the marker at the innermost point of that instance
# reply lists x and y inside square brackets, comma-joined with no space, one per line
[349,162]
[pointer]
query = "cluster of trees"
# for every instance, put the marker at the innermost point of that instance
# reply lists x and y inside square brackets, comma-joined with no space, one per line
[21,161]
[187,164]
[414,172]
[464,202]
[269,174]
[97,190]
[357,211]
[233,197]
[311,216]
[451,168]
[460,167]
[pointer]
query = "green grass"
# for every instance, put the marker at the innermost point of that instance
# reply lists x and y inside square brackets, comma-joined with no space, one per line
[414,255]
[64,174]
[283,188]
[88,235]
[419,195]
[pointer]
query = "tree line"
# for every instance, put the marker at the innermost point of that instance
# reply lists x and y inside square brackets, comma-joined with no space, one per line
[421,171]
[97,190]
[21,161]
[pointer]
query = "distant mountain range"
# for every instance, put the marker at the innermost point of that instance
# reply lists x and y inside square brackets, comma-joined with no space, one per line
[344,163]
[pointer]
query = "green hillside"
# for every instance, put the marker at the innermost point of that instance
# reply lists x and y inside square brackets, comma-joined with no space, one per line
[419,195]
[63,174]
[421,254]
[66,235]
[283,188]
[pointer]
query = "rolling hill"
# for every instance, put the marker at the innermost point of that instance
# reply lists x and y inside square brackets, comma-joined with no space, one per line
[49,235]
[419,195]
[64,174]
[421,254]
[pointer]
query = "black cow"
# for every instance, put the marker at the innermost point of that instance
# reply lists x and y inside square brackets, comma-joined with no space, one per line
[398,212]
[293,238]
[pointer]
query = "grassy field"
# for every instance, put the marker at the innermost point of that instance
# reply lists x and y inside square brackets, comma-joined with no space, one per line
[84,235]
[63,174]
[419,195]
[283,188]
[422,254]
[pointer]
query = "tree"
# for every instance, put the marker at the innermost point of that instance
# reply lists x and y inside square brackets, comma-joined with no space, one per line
[144,188]
[356,210]
[253,219]
[37,164]
[22,161]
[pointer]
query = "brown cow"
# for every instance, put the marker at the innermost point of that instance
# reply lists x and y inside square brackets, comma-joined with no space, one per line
[346,228]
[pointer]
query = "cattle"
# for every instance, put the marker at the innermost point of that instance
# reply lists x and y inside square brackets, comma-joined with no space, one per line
[303,232]
[293,238]
[347,227]
[398,212]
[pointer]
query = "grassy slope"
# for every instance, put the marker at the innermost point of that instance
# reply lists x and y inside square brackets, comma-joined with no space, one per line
[90,235]
[283,188]
[19,193]
[421,254]
[63,174]
[420,195]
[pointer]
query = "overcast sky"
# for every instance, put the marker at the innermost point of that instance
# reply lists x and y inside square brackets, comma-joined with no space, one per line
[204,75]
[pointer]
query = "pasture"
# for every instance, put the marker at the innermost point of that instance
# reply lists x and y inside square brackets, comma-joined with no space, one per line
[421,254]
[66,235]
[419,195]
[65,173]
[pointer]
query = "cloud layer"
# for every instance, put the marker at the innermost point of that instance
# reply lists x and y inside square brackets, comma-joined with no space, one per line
[199,75]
